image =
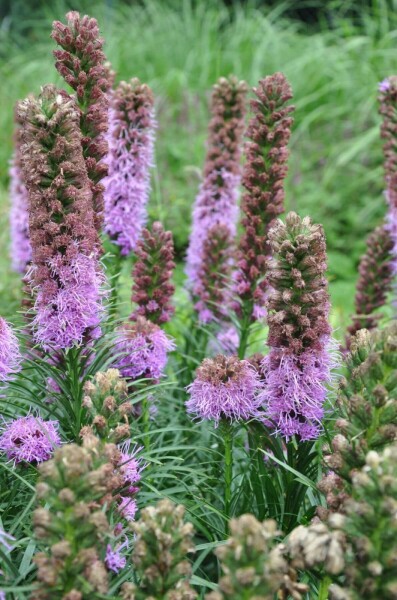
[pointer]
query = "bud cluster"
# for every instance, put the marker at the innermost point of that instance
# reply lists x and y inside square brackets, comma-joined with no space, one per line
[213,288]
[162,541]
[375,280]
[370,527]
[367,407]
[77,490]
[108,408]
[269,131]
[152,273]
[254,565]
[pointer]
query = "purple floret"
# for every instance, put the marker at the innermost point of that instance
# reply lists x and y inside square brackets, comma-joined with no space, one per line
[295,391]
[21,250]
[10,356]
[224,388]
[67,310]
[29,439]
[114,560]
[384,85]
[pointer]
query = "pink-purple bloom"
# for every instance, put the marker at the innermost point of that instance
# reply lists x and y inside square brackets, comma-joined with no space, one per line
[21,250]
[29,439]
[130,464]
[114,560]
[65,312]
[295,391]
[224,388]
[142,348]
[128,508]
[10,356]
[131,148]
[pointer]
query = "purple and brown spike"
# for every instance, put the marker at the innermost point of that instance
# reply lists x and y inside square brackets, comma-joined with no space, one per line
[269,131]
[82,64]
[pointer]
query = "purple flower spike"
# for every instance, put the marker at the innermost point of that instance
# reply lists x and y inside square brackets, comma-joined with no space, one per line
[131,150]
[10,356]
[29,439]
[65,275]
[128,508]
[224,388]
[216,202]
[144,347]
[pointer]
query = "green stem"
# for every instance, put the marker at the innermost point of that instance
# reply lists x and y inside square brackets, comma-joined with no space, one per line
[324,587]
[116,271]
[228,445]
[245,329]
[146,423]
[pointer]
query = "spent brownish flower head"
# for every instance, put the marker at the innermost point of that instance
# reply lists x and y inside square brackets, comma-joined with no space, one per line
[374,282]
[152,288]
[82,64]
[265,169]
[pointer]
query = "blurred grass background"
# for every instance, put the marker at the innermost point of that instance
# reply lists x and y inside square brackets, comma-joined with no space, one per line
[334,54]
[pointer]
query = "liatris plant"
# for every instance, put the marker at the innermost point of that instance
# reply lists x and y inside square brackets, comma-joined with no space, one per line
[81,62]
[21,250]
[106,401]
[299,364]
[79,488]
[225,390]
[368,410]
[375,280]
[253,563]
[10,356]
[213,288]
[265,169]
[217,199]
[152,273]
[162,542]
[29,439]
[131,149]
[65,273]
